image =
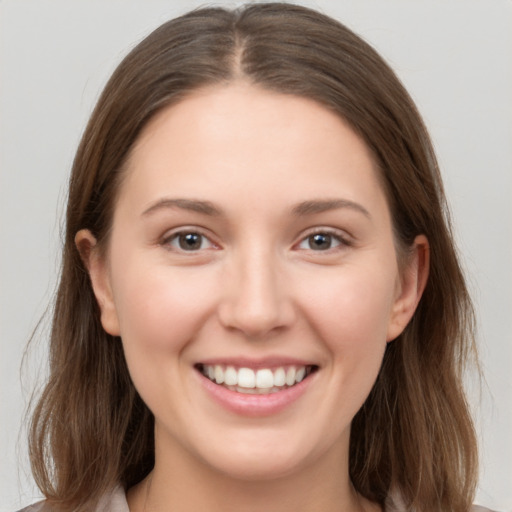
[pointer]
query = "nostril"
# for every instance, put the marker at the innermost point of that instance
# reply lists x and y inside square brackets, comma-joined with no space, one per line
[259,305]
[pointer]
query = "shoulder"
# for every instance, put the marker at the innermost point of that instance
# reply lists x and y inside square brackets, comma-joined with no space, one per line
[474,508]
[36,507]
[395,504]
[114,501]
[40,506]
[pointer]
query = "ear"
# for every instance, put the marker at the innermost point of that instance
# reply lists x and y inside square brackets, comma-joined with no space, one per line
[95,262]
[412,283]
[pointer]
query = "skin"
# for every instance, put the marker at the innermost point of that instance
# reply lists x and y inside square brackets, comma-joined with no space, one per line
[255,287]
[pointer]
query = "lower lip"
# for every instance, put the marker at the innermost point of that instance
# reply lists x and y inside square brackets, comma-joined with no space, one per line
[255,405]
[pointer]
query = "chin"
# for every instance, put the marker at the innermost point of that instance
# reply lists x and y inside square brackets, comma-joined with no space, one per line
[261,459]
[259,469]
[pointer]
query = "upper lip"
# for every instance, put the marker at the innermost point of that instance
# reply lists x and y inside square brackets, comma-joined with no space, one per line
[256,363]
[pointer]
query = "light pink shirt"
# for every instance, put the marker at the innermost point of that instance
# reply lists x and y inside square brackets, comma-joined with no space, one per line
[116,502]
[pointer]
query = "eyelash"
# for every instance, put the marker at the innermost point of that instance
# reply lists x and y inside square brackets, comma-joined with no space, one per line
[334,235]
[175,237]
[341,239]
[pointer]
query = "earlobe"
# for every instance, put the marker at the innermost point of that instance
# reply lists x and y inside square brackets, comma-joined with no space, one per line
[94,262]
[412,284]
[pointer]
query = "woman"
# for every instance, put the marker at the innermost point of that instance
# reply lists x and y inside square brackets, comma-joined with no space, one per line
[260,305]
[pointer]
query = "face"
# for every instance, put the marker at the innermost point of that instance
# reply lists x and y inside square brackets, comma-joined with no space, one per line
[252,275]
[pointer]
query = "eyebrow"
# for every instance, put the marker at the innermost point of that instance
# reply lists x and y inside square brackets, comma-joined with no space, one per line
[323,205]
[195,205]
[304,208]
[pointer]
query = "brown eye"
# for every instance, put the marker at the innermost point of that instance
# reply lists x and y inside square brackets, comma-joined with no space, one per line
[189,241]
[320,242]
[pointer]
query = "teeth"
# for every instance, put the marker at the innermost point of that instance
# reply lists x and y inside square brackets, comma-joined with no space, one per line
[264,380]
[290,376]
[219,374]
[231,376]
[246,378]
[279,377]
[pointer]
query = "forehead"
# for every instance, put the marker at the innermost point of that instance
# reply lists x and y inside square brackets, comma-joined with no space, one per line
[240,135]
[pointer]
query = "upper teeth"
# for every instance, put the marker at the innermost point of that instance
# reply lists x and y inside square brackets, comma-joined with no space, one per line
[247,378]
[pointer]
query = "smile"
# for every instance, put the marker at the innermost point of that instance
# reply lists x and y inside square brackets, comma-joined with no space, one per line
[256,381]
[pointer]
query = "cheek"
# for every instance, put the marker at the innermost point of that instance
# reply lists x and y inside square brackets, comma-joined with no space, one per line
[160,308]
[160,311]
[352,306]
[351,318]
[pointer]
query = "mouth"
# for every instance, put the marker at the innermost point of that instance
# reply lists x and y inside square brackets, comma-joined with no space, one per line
[252,381]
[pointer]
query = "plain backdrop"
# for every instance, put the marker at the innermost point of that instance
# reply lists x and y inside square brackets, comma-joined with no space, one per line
[55,56]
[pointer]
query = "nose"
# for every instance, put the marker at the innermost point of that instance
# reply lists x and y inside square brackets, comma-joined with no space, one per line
[256,299]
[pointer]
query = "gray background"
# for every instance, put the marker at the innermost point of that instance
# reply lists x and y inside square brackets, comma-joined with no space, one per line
[55,56]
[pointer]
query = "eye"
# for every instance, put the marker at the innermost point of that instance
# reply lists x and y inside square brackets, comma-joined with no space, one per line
[189,241]
[321,241]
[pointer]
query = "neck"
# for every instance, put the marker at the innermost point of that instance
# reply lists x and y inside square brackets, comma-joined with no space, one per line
[181,483]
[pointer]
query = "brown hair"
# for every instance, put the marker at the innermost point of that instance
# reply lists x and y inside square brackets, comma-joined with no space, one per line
[414,434]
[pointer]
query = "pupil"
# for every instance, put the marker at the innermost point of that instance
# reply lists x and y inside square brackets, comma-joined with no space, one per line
[320,241]
[190,241]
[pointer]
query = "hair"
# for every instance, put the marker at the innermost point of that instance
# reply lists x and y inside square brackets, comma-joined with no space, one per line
[413,436]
